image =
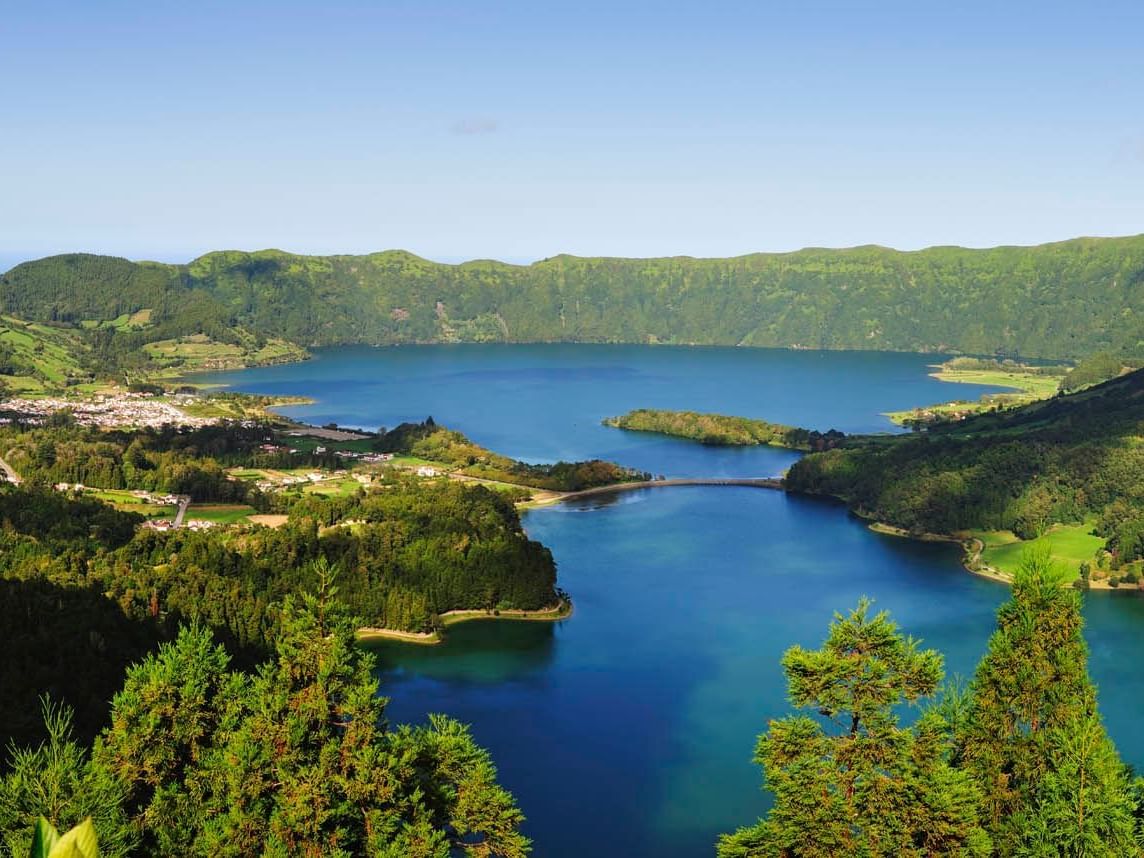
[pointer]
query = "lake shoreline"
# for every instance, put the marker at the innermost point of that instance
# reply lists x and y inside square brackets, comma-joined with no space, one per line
[371,634]
[972,548]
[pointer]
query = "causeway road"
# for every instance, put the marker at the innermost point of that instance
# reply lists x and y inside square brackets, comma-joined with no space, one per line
[753,482]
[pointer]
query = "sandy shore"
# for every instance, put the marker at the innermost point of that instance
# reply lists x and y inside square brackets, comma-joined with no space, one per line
[451,618]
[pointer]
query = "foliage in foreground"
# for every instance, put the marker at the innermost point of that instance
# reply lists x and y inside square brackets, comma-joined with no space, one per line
[867,786]
[1019,765]
[79,842]
[83,594]
[296,759]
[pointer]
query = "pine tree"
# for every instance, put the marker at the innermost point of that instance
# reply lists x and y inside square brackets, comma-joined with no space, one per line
[1051,779]
[163,725]
[298,760]
[1084,806]
[57,780]
[870,787]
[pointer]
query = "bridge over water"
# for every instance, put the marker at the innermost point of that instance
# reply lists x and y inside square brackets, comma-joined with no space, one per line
[753,482]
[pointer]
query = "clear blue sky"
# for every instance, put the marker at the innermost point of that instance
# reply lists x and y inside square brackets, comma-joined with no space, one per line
[520,130]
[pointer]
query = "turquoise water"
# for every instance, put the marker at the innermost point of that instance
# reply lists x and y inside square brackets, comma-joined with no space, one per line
[628,729]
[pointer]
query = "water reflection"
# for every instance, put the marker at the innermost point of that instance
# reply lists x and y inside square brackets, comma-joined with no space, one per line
[481,652]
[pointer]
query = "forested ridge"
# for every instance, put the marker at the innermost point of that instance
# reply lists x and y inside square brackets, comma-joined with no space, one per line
[1063,300]
[1062,460]
[86,590]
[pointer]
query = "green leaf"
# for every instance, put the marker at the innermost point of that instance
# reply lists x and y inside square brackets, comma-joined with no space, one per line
[44,838]
[80,842]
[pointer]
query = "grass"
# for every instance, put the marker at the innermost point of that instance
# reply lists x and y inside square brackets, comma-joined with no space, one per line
[125,501]
[1069,544]
[249,475]
[414,462]
[222,513]
[50,354]
[307,443]
[451,618]
[333,488]
[49,359]
[1025,387]
[122,322]
[199,351]
[1031,384]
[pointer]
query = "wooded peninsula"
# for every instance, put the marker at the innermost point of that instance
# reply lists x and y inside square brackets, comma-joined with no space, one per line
[719,430]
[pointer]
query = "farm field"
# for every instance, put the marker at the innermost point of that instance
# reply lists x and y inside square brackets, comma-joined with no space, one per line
[1070,545]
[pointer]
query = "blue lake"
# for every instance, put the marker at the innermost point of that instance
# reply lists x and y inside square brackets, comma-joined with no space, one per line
[628,729]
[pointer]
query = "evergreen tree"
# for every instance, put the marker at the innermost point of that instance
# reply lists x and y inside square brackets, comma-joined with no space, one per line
[1085,808]
[298,760]
[1052,781]
[870,787]
[57,780]
[163,725]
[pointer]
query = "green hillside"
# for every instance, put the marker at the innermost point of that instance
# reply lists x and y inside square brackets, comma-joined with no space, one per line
[1074,460]
[38,357]
[1063,300]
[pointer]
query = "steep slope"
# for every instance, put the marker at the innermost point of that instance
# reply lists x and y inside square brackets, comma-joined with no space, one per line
[1074,458]
[1062,300]
[110,315]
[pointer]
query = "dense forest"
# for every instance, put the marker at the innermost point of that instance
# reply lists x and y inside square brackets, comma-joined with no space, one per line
[723,430]
[1016,764]
[294,757]
[85,592]
[1063,300]
[1061,460]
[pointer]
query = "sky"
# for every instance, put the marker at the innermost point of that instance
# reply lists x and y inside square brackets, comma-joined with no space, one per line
[519,130]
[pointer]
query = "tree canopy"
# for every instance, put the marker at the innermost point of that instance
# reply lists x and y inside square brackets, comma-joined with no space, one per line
[294,759]
[1017,765]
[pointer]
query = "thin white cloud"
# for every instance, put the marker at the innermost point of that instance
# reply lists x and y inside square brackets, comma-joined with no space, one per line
[476,125]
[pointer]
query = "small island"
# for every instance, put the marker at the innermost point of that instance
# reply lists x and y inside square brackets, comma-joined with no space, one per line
[725,431]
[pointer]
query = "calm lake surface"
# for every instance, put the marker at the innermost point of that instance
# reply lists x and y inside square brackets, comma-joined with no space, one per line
[628,729]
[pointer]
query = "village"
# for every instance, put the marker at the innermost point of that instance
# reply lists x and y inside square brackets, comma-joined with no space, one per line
[110,411]
[165,512]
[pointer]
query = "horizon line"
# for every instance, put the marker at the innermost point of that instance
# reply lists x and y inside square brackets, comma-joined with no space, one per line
[452,261]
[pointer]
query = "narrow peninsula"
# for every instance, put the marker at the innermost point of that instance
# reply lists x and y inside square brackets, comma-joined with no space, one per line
[721,430]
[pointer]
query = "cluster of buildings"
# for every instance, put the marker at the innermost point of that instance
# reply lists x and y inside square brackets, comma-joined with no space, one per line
[134,410]
[164,524]
[290,480]
[145,497]
[348,455]
[364,458]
